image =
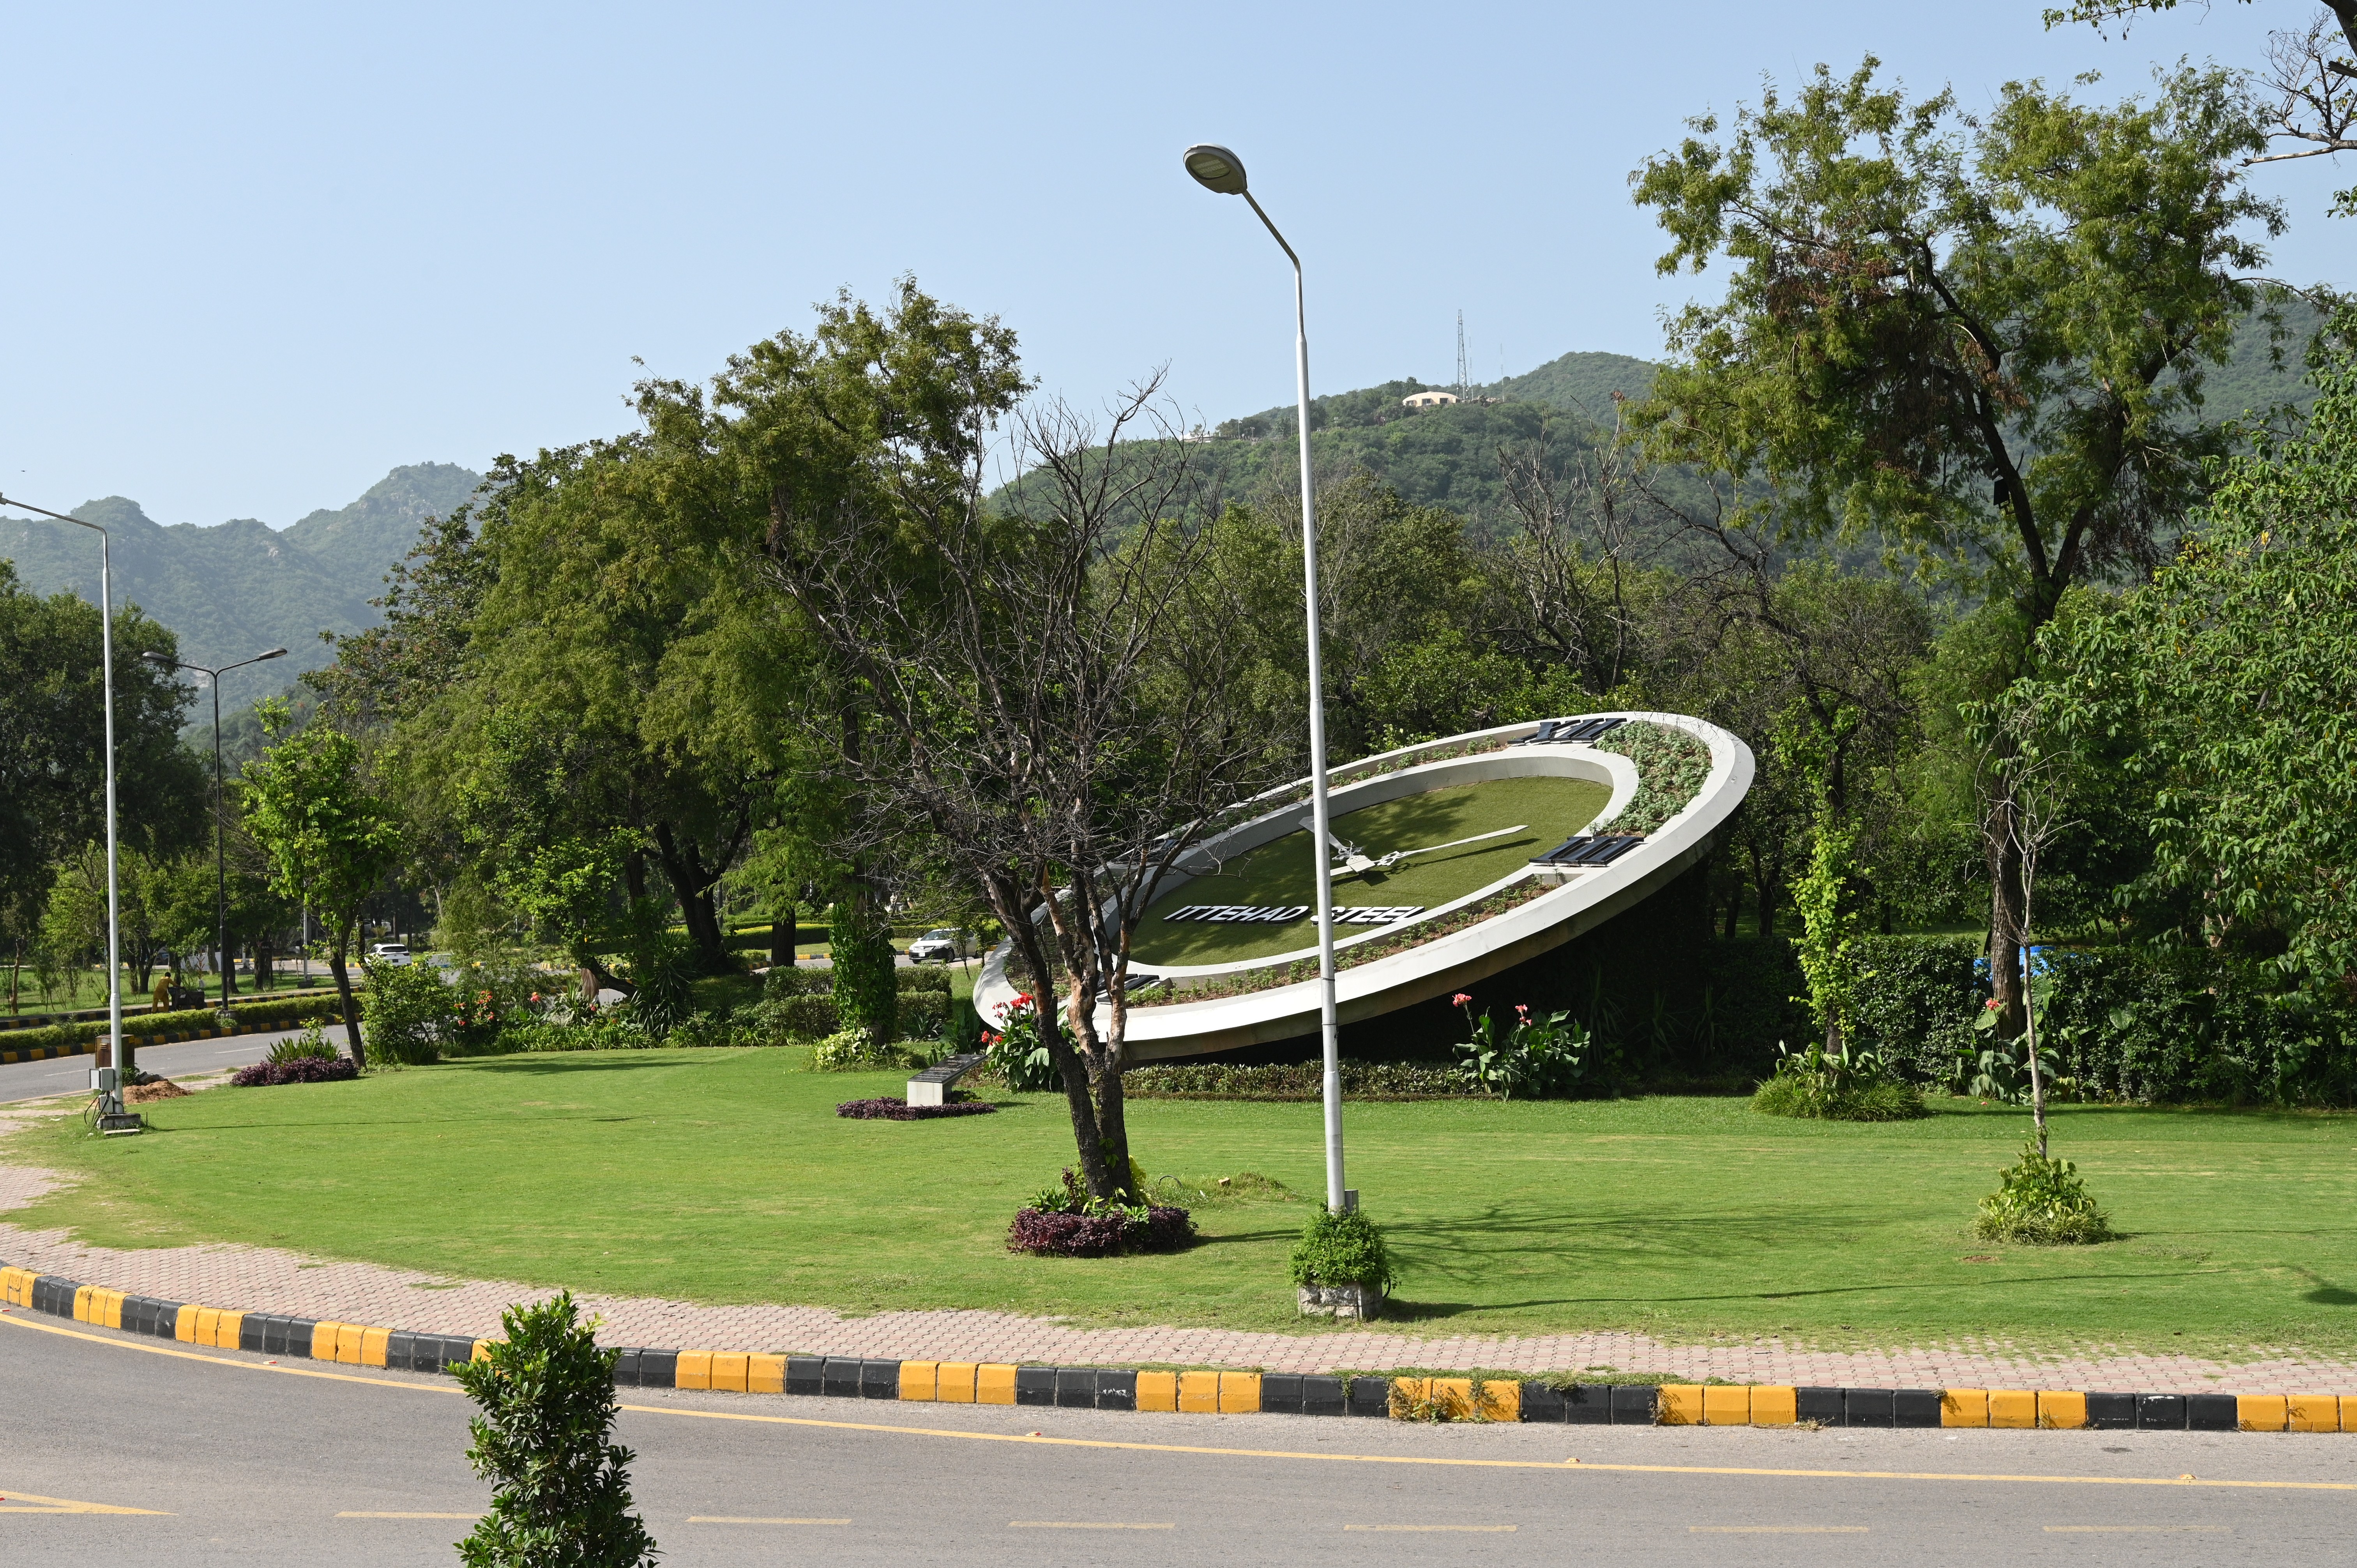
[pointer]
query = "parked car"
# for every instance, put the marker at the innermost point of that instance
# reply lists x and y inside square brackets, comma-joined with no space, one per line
[937,947]
[394,954]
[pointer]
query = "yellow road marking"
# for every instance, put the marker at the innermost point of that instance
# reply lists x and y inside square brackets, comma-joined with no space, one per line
[1076,1524]
[225,1361]
[65,1505]
[1584,1466]
[1433,1528]
[1775,1530]
[2137,1530]
[735,1519]
[361,1515]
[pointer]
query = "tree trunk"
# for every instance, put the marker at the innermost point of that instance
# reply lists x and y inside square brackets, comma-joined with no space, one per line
[782,936]
[263,977]
[1087,1139]
[2004,857]
[693,884]
[342,970]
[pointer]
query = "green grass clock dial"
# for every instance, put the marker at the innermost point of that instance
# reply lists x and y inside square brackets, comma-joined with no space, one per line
[1433,868]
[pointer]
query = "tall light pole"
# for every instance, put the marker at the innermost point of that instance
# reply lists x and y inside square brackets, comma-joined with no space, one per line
[1215,169]
[221,805]
[106,1080]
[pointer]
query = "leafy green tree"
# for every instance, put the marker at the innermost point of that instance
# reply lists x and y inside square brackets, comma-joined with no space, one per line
[52,759]
[560,1486]
[332,840]
[2310,86]
[1981,337]
[2233,677]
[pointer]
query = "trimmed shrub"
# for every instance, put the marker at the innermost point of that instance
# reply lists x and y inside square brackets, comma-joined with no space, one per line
[406,1011]
[867,995]
[802,1017]
[1298,1081]
[901,1111]
[783,981]
[560,1486]
[854,1051]
[301,1070]
[923,1014]
[1343,1249]
[2043,1202]
[915,981]
[1916,1001]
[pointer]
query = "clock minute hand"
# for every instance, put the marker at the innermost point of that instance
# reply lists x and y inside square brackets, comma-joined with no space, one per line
[1399,854]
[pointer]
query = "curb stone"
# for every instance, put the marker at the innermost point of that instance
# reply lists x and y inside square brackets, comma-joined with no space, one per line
[1208,1391]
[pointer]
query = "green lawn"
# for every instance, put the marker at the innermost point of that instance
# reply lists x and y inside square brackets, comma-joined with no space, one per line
[1282,873]
[723,1175]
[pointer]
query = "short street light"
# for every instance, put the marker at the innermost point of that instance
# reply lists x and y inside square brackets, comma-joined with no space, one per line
[1215,169]
[221,805]
[107,1080]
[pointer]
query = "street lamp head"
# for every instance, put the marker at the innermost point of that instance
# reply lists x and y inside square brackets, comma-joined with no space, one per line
[152,657]
[274,653]
[1216,168]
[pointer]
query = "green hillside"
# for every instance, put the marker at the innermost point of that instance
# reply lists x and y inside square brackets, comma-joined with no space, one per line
[235,588]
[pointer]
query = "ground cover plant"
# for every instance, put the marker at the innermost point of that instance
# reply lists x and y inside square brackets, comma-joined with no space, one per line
[726,1175]
[886,1109]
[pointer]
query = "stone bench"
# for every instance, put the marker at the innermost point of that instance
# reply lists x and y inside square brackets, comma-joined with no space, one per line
[932,1086]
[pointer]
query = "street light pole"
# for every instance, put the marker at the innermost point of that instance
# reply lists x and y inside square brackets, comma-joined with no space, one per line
[106,1080]
[1216,170]
[221,807]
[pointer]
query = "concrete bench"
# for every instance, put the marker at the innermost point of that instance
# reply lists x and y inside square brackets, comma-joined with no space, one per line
[932,1086]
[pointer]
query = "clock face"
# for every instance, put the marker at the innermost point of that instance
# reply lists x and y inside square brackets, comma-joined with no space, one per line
[1263,902]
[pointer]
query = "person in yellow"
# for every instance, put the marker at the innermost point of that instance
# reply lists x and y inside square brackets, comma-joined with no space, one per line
[162,1001]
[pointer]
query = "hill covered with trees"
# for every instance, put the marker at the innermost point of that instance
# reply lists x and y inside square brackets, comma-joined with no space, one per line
[232,589]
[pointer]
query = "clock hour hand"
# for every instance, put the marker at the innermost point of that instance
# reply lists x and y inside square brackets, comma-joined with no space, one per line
[1352,860]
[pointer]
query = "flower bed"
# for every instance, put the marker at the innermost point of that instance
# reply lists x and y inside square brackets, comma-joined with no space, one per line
[899,1111]
[1415,934]
[1671,767]
[299,1070]
[1048,1234]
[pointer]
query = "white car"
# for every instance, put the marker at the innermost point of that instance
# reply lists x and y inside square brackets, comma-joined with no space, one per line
[394,954]
[936,947]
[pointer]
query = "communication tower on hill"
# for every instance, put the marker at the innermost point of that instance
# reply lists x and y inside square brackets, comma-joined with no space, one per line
[1464,376]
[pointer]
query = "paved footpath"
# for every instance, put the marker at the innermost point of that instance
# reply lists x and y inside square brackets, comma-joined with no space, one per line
[266,1278]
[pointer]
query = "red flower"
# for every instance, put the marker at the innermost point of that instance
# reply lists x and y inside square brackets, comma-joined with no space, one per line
[1462,998]
[1521,1011]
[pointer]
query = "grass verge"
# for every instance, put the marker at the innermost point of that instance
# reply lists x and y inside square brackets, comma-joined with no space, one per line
[724,1176]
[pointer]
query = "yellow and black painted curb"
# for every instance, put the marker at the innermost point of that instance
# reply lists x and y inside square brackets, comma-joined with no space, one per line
[9,1058]
[1211,1392]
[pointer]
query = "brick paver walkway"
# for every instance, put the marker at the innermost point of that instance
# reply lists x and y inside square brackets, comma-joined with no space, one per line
[270,1280]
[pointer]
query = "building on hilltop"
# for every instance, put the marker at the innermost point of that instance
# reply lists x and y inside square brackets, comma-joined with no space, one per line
[1430,398]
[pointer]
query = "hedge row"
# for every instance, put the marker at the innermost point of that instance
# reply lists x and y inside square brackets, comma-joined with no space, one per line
[2142,1025]
[807,1017]
[253,1015]
[801,980]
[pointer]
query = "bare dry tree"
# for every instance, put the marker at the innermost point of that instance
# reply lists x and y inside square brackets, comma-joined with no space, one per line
[1052,692]
[1568,570]
[2314,86]
[2024,792]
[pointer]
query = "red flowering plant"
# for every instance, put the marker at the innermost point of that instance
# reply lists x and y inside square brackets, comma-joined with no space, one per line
[1535,1059]
[1015,1051]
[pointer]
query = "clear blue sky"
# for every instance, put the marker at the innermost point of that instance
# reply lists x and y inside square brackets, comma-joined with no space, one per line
[256,255]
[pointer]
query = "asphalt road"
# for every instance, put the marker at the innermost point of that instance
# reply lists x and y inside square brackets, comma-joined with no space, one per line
[71,1075]
[239,1462]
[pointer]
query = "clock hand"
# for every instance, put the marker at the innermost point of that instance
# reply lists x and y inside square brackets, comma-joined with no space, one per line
[1399,854]
[1354,861]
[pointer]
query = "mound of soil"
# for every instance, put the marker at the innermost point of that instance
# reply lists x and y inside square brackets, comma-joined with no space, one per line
[158,1088]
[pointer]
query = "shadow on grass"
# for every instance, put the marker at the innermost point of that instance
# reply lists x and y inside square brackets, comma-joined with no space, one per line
[1441,1309]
